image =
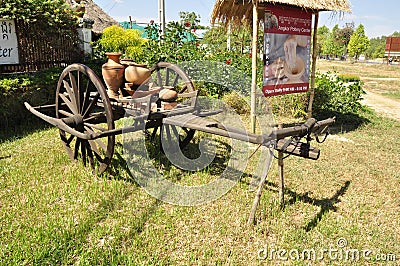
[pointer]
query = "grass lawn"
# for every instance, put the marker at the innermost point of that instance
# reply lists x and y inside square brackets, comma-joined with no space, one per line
[344,207]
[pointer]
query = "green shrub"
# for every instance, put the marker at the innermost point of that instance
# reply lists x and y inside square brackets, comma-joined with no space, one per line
[116,39]
[36,88]
[333,94]
[349,78]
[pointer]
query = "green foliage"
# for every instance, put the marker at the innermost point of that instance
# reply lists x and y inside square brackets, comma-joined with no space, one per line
[50,14]
[116,39]
[216,39]
[190,19]
[177,45]
[359,42]
[331,45]
[334,95]
[376,48]
[349,78]
[36,88]
[322,36]
[343,35]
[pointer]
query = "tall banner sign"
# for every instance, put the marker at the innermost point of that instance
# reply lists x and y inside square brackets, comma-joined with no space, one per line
[287,43]
[8,43]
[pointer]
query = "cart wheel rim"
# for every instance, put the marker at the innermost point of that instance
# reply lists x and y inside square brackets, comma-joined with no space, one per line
[82,98]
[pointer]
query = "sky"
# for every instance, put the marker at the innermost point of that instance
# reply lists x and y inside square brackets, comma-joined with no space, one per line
[378,18]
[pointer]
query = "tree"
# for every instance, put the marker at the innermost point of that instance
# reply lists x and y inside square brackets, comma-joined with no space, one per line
[331,46]
[49,14]
[359,42]
[342,36]
[322,36]
[376,48]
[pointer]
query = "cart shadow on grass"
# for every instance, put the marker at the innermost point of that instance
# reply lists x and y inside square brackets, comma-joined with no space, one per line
[325,204]
[219,164]
[119,166]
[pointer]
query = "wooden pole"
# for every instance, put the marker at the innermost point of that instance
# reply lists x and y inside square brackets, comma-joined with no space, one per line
[313,66]
[281,176]
[254,67]
[161,17]
[257,198]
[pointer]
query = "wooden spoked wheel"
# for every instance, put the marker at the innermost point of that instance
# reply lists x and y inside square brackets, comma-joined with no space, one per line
[167,75]
[82,98]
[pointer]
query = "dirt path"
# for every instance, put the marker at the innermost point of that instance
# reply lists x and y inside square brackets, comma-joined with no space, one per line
[383,105]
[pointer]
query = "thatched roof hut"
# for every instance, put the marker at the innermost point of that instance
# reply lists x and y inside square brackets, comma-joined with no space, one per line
[101,19]
[237,10]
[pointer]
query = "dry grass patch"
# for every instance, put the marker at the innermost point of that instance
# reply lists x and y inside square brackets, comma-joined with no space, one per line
[380,78]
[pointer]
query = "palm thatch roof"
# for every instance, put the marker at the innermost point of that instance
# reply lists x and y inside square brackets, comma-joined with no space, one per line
[101,19]
[238,10]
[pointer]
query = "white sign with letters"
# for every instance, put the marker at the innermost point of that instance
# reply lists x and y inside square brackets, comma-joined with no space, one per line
[8,43]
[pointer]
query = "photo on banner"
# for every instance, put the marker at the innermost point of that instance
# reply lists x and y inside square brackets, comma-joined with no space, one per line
[287,44]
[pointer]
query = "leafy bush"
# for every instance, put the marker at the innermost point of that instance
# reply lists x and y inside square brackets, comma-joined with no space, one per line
[36,88]
[349,77]
[177,45]
[333,94]
[116,39]
[53,15]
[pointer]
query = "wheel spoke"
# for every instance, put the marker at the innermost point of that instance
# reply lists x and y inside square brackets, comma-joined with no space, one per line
[86,97]
[153,135]
[184,88]
[102,129]
[83,151]
[67,141]
[98,141]
[159,78]
[76,152]
[65,113]
[90,154]
[167,77]
[71,93]
[92,104]
[175,131]
[96,151]
[175,80]
[75,87]
[95,116]
[69,104]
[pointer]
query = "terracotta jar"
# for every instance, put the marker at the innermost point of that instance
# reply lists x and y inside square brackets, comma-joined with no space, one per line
[113,74]
[136,73]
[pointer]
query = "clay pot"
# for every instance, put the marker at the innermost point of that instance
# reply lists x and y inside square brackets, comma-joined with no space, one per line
[136,73]
[113,74]
[168,95]
[295,72]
